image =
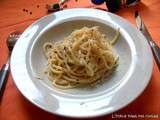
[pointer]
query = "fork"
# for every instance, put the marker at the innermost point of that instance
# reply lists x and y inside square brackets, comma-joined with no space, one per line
[11,40]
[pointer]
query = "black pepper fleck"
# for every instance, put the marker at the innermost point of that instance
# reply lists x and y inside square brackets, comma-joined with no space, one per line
[30,13]
[99,59]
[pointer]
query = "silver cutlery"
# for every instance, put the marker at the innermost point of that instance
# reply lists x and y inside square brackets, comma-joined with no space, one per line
[154,47]
[11,40]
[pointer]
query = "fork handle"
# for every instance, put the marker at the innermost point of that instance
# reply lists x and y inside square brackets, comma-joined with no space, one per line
[3,78]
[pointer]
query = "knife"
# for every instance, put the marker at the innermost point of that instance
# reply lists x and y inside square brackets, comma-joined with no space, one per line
[154,47]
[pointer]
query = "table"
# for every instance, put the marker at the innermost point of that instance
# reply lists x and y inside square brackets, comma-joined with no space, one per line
[19,14]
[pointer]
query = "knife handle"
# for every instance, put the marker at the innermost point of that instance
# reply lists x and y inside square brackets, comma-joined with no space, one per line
[156,52]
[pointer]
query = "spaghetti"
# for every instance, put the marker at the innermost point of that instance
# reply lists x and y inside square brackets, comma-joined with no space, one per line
[82,58]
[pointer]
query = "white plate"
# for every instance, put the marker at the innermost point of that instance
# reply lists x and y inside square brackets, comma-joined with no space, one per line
[122,87]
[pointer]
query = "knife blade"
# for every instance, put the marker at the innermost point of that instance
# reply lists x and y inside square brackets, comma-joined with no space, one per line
[154,47]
